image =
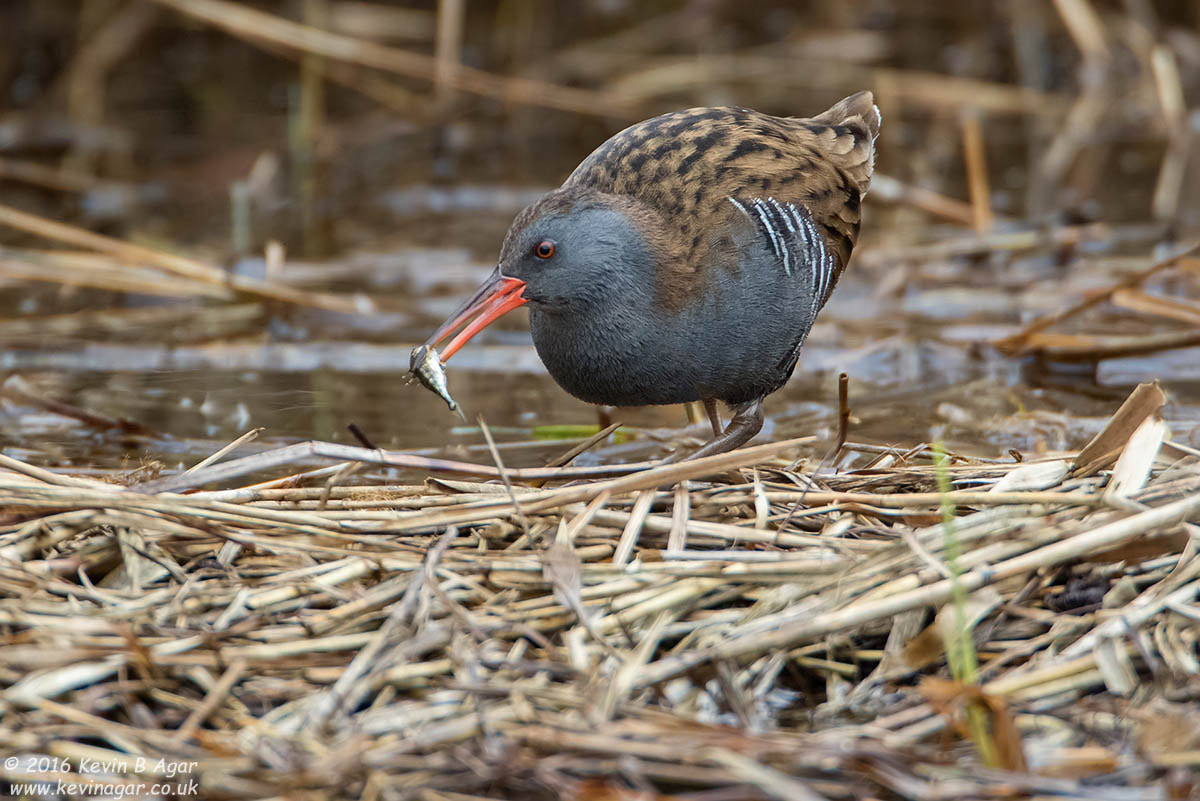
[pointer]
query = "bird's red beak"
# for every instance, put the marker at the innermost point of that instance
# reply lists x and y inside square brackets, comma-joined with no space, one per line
[495,297]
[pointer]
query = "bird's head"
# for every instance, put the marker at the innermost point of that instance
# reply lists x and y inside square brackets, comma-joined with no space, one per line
[567,252]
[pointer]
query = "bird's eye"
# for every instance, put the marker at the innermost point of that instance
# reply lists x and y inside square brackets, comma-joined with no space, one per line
[544,249]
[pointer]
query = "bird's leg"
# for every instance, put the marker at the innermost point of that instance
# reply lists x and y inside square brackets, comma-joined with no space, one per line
[695,412]
[714,415]
[747,421]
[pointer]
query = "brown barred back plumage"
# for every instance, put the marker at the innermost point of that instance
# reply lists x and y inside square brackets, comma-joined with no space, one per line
[674,174]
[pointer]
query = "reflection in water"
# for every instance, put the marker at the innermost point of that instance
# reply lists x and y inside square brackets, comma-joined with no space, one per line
[979,408]
[911,344]
[909,325]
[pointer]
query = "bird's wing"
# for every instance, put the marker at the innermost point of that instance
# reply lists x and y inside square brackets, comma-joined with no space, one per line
[796,242]
[684,168]
[829,162]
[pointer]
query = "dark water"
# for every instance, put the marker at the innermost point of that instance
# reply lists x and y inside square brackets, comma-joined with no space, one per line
[918,360]
[913,336]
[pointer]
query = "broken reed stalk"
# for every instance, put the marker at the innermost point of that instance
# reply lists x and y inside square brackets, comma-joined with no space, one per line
[975,156]
[255,26]
[207,274]
[451,17]
[1017,343]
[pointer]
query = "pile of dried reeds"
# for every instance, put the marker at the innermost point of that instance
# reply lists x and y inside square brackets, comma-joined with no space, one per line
[734,627]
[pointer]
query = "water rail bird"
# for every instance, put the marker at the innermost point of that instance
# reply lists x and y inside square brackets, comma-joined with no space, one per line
[686,258]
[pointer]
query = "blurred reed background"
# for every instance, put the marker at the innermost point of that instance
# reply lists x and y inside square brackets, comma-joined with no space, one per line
[155,116]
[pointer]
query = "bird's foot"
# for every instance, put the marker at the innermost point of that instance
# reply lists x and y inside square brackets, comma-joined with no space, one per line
[747,421]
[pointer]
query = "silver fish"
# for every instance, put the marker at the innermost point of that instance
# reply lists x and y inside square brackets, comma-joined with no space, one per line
[427,367]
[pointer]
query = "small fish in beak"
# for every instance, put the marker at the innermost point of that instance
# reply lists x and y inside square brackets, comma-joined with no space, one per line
[497,296]
[427,367]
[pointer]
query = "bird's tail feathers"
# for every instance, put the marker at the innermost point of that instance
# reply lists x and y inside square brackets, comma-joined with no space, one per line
[859,117]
